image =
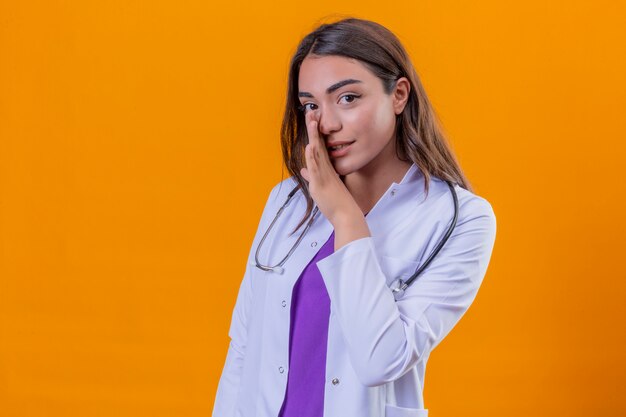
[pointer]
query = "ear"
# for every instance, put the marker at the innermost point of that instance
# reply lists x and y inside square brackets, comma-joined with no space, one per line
[400,94]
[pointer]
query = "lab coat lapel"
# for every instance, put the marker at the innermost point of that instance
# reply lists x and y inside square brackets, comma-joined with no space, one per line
[318,234]
[390,209]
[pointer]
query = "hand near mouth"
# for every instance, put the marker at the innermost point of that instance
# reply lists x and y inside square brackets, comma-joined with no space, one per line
[327,189]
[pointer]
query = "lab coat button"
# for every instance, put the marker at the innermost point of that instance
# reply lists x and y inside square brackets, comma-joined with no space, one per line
[313,244]
[284,303]
[393,192]
[281,369]
[335,381]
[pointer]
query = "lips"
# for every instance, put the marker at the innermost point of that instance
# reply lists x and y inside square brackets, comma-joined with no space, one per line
[330,146]
[342,151]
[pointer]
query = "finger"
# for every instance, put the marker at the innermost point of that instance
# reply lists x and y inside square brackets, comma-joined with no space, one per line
[321,154]
[311,160]
[312,123]
[319,148]
[305,174]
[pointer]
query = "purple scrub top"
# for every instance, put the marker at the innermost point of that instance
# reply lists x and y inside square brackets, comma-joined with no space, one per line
[310,310]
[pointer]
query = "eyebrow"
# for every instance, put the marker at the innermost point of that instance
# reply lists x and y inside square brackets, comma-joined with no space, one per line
[332,88]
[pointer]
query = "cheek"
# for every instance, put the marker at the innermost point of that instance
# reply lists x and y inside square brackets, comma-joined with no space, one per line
[385,119]
[376,122]
[365,121]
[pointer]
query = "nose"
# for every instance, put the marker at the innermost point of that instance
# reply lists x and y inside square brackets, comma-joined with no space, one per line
[328,121]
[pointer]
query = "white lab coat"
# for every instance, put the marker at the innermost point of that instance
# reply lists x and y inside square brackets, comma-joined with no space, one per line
[377,347]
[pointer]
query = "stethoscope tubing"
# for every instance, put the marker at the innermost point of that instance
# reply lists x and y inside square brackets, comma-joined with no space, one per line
[401,285]
[442,242]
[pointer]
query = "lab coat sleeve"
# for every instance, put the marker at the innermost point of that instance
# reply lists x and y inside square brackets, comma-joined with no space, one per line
[385,337]
[229,383]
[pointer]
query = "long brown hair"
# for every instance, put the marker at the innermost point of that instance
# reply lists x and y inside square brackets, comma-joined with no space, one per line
[419,137]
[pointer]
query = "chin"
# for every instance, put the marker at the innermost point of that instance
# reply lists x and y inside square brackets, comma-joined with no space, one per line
[342,168]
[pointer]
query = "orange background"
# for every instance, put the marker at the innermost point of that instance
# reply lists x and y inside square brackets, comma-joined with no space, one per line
[139,142]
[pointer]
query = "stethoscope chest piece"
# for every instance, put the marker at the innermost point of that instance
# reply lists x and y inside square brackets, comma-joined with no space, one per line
[397,288]
[274,269]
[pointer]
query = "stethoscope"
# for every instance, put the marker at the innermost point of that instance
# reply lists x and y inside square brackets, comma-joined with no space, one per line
[398,286]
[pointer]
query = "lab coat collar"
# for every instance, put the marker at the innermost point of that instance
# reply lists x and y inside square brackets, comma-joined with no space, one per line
[390,209]
[413,174]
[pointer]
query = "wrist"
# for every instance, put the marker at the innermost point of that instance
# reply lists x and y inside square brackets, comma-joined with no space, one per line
[348,218]
[350,226]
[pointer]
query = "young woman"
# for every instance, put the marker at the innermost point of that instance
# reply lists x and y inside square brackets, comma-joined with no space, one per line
[323,325]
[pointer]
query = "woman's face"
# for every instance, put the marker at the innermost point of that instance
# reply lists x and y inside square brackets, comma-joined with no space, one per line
[352,107]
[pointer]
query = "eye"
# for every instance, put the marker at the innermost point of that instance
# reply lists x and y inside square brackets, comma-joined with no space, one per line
[303,108]
[353,97]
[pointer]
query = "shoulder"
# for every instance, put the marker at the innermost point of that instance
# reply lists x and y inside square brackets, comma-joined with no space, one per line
[475,211]
[281,190]
[279,193]
[473,208]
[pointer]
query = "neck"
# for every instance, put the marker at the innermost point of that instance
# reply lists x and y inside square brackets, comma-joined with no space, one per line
[368,184]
